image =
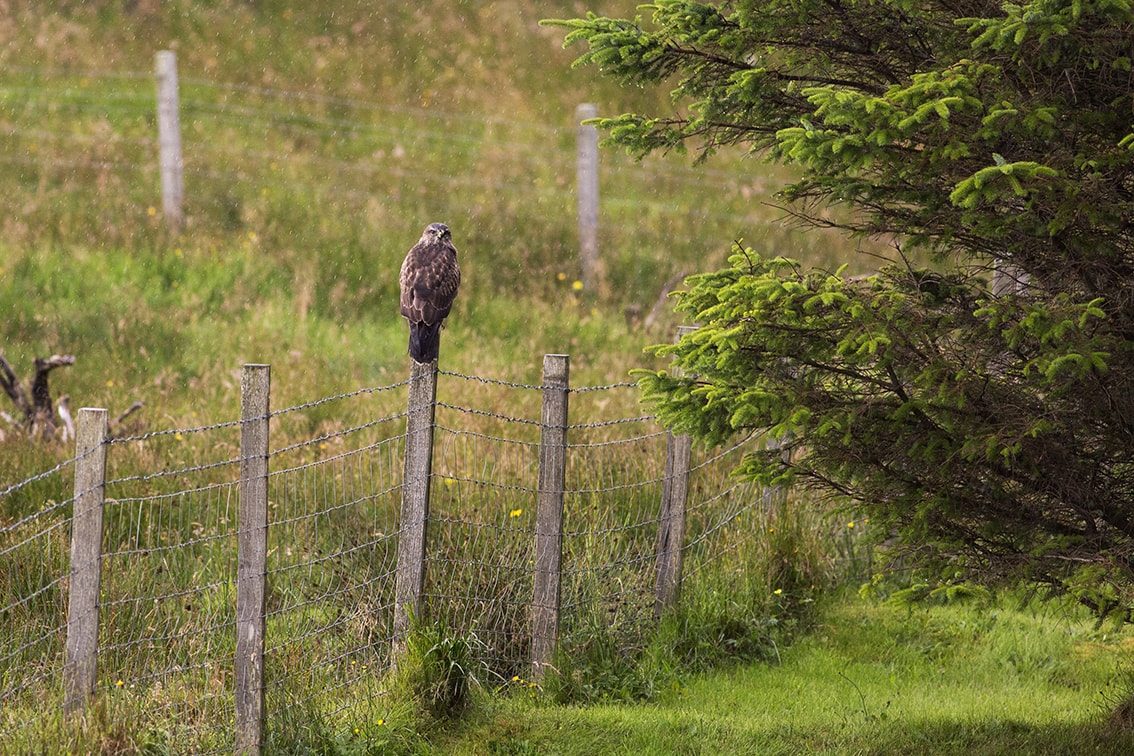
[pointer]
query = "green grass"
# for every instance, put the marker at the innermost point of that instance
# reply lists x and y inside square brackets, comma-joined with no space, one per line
[317,145]
[869,679]
[319,140]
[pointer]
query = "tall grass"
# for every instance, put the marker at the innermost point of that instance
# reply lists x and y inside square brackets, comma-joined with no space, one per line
[167,607]
[317,145]
[318,142]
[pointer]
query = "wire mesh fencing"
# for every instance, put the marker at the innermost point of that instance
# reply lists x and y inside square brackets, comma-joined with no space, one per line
[167,625]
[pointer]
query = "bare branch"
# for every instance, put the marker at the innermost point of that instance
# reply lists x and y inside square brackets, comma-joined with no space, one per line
[117,428]
[659,305]
[12,386]
[42,415]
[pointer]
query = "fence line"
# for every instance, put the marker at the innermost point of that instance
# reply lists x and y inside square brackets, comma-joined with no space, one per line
[370,166]
[170,615]
[209,611]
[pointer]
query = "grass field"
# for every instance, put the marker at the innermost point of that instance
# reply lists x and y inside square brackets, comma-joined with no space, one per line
[869,678]
[320,139]
[318,143]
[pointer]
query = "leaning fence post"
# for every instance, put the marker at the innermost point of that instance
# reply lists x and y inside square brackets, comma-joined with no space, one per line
[169,139]
[549,512]
[252,555]
[586,174]
[416,475]
[671,530]
[81,652]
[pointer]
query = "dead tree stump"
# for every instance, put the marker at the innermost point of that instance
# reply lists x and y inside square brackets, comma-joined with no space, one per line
[34,404]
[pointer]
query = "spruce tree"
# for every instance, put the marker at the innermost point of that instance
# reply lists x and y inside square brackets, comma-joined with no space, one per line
[979,409]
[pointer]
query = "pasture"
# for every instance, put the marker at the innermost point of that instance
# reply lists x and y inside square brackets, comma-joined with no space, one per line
[318,142]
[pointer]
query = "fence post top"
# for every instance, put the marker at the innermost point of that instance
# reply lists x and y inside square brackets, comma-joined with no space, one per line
[585,110]
[165,60]
[556,368]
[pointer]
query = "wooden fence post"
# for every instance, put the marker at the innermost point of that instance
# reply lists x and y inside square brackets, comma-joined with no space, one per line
[549,512]
[81,653]
[169,140]
[417,471]
[252,555]
[1008,279]
[671,527]
[587,158]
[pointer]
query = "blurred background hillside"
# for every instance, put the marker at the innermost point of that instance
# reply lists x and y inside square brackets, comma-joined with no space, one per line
[318,140]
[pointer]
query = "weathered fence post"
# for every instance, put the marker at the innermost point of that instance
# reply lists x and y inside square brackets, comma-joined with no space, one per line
[587,158]
[417,471]
[671,527]
[81,653]
[252,555]
[169,139]
[549,512]
[1008,279]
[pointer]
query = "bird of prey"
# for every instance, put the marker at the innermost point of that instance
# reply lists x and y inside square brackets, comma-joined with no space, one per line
[429,279]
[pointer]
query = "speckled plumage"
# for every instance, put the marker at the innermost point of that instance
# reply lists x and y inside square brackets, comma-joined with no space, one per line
[429,280]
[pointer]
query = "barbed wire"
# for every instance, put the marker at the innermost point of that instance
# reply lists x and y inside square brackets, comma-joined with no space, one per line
[60,524]
[114,440]
[181,471]
[603,387]
[23,600]
[35,479]
[616,441]
[494,381]
[442,138]
[486,413]
[334,520]
[173,547]
[338,397]
[484,436]
[609,423]
[188,83]
[329,557]
[127,600]
[339,434]
[491,484]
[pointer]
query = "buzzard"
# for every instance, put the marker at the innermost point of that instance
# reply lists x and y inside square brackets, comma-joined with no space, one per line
[430,277]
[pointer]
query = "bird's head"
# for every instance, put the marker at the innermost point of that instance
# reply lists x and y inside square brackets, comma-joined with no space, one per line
[436,231]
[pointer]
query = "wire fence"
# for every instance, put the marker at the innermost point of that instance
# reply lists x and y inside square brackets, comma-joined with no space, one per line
[281,172]
[167,606]
[111,131]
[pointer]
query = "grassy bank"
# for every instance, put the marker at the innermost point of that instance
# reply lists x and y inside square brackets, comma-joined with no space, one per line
[319,141]
[870,679]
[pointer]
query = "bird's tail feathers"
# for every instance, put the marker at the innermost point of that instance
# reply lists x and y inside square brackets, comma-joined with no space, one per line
[424,341]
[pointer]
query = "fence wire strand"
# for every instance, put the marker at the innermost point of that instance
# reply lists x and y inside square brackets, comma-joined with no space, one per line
[170,543]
